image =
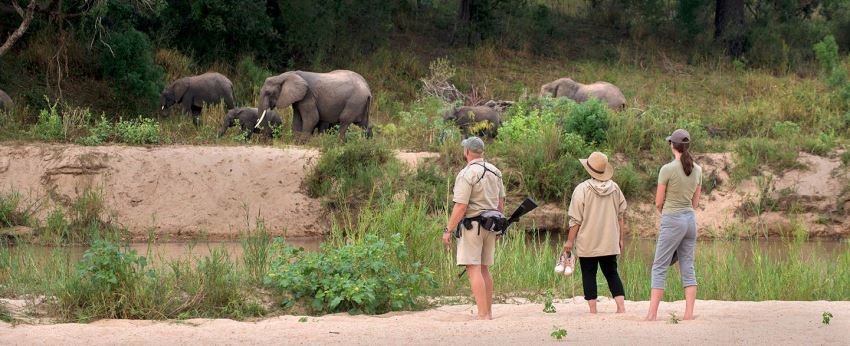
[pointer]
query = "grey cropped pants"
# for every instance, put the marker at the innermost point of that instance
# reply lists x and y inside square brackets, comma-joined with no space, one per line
[678,236]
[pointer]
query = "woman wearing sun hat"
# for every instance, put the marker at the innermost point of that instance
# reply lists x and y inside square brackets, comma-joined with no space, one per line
[596,225]
[679,187]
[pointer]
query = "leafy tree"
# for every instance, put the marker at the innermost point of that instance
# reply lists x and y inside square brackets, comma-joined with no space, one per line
[127,61]
[219,30]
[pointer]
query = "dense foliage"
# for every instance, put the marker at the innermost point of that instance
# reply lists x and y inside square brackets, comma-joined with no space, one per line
[370,276]
[114,40]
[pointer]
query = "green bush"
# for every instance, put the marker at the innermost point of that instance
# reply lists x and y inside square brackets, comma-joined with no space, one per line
[539,155]
[344,170]
[249,79]
[128,63]
[630,181]
[141,131]
[362,277]
[588,119]
[49,126]
[106,283]
[100,133]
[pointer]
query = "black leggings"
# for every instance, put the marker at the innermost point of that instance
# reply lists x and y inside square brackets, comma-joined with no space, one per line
[609,269]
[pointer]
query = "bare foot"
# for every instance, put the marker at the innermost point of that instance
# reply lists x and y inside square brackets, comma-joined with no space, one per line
[621,310]
[688,318]
[650,318]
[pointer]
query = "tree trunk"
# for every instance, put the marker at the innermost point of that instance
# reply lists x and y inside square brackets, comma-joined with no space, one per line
[27,15]
[729,26]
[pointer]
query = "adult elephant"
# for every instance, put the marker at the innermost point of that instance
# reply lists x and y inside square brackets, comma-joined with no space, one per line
[479,120]
[566,87]
[6,103]
[248,118]
[339,96]
[195,91]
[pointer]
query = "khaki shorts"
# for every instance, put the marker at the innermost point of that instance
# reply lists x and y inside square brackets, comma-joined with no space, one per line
[476,249]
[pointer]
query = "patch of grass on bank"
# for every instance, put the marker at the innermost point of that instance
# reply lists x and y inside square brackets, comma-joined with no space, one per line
[525,262]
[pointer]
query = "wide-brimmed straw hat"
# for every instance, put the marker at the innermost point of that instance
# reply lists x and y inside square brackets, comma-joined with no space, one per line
[597,166]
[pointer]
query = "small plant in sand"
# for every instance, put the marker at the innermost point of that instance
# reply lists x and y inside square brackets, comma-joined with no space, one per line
[558,333]
[674,319]
[548,304]
[827,317]
[302,319]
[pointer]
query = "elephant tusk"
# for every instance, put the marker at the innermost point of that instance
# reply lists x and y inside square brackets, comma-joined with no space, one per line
[162,108]
[260,121]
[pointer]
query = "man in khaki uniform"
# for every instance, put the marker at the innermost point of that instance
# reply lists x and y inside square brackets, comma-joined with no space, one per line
[478,188]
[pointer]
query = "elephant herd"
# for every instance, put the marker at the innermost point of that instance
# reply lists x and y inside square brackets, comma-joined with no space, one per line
[341,98]
[319,101]
[486,120]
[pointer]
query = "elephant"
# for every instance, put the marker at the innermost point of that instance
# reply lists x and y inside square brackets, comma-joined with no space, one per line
[193,92]
[339,96]
[6,103]
[248,121]
[566,87]
[470,120]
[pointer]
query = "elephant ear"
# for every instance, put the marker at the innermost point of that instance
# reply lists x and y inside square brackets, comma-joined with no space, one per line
[292,90]
[549,89]
[180,88]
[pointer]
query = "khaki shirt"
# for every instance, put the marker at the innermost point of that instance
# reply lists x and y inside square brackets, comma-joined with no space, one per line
[480,190]
[597,207]
[679,194]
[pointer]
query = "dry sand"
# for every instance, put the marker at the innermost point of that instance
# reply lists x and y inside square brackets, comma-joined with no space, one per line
[756,323]
[179,191]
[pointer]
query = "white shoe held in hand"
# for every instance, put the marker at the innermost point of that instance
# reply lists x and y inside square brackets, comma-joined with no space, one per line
[565,263]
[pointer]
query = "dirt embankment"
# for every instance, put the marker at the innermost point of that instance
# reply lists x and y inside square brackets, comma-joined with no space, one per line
[192,191]
[175,191]
[813,199]
[717,323]
[179,191]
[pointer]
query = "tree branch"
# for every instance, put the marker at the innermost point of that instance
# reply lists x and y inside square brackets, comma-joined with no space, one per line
[25,23]
[18,8]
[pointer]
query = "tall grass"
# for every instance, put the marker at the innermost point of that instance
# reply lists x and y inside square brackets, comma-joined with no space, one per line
[726,270]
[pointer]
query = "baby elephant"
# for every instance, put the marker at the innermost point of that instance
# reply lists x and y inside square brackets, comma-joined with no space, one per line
[248,120]
[566,87]
[479,120]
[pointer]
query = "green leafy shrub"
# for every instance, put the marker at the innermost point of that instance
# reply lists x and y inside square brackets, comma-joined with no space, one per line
[539,155]
[100,133]
[630,181]
[249,79]
[128,63]
[354,167]
[588,119]
[834,70]
[361,277]
[106,283]
[49,126]
[140,131]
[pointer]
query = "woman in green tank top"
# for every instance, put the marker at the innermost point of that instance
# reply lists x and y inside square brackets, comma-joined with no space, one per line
[677,197]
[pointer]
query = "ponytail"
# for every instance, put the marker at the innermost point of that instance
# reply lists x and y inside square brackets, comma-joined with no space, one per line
[687,159]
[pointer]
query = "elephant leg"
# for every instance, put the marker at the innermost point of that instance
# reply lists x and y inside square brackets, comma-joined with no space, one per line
[350,114]
[309,118]
[297,121]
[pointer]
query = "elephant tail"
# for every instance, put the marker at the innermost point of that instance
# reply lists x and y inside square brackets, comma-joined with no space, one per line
[364,121]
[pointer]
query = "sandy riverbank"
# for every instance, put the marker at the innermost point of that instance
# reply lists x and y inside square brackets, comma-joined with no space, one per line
[765,323]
